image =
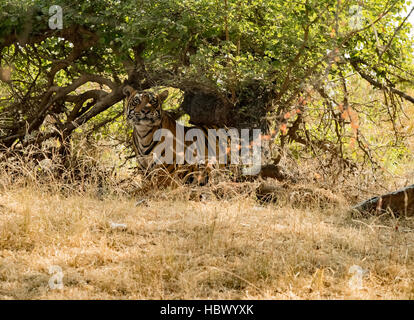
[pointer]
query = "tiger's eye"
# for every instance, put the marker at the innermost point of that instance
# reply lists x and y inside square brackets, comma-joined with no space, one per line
[135,101]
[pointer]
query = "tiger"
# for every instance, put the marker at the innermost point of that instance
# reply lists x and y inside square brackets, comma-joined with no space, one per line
[143,110]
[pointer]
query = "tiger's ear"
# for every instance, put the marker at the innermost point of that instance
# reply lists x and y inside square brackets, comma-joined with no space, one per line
[163,95]
[127,90]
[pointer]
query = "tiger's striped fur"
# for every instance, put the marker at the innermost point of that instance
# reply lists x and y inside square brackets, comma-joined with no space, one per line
[144,111]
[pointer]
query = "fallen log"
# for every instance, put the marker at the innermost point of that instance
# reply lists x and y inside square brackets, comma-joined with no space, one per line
[400,202]
[267,192]
[298,196]
[273,171]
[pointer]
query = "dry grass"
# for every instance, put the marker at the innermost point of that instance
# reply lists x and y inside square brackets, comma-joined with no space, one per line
[179,249]
[300,247]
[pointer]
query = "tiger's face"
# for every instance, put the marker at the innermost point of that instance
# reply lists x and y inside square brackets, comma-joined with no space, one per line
[144,108]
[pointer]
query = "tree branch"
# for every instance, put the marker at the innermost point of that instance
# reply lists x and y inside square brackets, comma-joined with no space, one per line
[379,85]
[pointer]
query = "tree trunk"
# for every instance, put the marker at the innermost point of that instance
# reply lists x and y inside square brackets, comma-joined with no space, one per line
[400,202]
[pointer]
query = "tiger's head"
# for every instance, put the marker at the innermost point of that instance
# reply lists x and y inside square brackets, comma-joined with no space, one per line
[144,108]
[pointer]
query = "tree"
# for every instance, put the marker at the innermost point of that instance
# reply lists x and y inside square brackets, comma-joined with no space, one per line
[259,63]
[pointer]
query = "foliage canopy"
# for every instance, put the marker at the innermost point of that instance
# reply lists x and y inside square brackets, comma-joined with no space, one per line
[288,65]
